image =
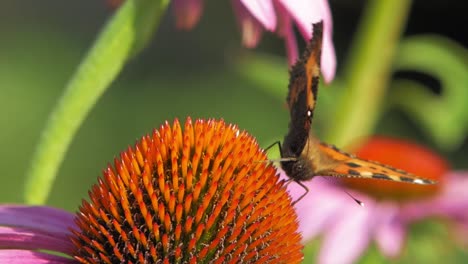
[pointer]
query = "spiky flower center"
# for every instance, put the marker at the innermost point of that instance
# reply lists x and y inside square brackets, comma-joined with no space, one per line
[202,195]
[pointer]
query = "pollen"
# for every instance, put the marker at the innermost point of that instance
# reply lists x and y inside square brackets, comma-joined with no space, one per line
[202,194]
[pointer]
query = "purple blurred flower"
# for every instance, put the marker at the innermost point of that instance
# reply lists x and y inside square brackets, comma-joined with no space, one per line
[349,228]
[26,229]
[304,13]
[256,16]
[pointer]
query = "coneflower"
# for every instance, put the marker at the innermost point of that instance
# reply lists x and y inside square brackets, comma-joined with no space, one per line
[204,194]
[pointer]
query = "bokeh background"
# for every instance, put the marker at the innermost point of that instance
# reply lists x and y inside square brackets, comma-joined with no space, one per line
[180,74]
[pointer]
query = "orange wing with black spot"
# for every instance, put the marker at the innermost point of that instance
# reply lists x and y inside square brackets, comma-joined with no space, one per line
[348,165]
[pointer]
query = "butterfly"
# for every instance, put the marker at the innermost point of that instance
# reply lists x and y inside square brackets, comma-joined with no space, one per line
[302,155]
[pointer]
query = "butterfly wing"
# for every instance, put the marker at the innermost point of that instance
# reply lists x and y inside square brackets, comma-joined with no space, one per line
[302,95]
[306,157]
[335,162]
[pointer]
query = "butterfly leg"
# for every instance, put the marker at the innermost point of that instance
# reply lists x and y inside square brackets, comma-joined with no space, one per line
[287,182]
[272,145]
[304,194]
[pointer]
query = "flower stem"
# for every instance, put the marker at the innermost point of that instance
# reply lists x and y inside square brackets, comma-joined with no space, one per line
[125,34]
[368,71]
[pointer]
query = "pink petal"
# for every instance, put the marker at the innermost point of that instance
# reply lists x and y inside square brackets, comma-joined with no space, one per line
[31,257]
[251,28]
[450,202]
[456,185]
[389,230]
[328,60]
[291,47]
[187,13]
[307,12]
[319,207]
[285,30]
[263,11]
[35,227]
[348,236]
[21,238]
[43,218]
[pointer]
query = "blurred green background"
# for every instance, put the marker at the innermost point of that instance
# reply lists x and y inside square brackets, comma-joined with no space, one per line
[180,74]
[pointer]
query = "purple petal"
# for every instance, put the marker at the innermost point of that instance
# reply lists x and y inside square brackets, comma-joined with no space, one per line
[21,238]
[31,257]
[291,46]
[348,236]
[328,60]
[263,11]
[450,202]
[50,219]
[286,31]
[251,28]
[187,13]
[35,227]
[456,185]
[319,207]
[307,12]
[389,230]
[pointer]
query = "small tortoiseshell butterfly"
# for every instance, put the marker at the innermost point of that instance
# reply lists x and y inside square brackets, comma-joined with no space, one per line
[303,156]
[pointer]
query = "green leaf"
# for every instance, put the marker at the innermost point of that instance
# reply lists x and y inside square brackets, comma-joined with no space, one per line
[367,72]
[269,73]
[432,241]
[127,32]
[311,251]
[443,117]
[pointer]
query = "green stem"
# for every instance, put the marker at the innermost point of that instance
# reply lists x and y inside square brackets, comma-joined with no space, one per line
[124,35]
[368,70]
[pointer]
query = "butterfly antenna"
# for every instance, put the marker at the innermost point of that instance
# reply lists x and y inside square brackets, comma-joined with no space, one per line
[278,143]
[359,202]
[276,160]
[284,159]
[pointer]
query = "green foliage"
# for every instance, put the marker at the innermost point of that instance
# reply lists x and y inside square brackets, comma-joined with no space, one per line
[443,117]
[126,33]
[135,104]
